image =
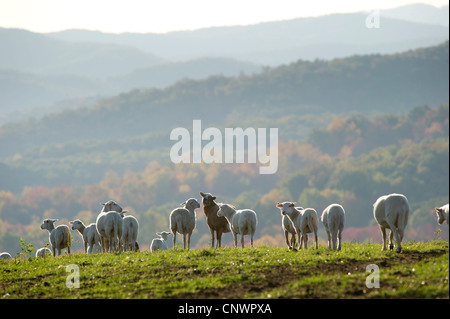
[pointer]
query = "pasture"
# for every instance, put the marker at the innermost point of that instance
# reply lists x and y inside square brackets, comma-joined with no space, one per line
[420,271]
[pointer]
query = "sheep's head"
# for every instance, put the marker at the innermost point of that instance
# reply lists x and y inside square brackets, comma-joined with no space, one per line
[286,207]
[208,199]
[48,224]
[440,215]
[163,234]
[191,203]
[111,206]
[76,224]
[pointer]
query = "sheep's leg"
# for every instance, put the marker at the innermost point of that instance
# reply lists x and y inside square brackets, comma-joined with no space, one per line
[293,241]
[184,241]
[85,248]
[174,238]
[333,240]
[317,242]
[300,240]
[212,237]
[329,239]
[235,239]
[340,239]
[383,234]
[286,236]
[242,240]
[189,240]
[305,240]
[391,240]
[219,238]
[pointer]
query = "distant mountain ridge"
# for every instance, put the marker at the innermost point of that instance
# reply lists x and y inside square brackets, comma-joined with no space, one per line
[366,84]
[51,71]
[279,42]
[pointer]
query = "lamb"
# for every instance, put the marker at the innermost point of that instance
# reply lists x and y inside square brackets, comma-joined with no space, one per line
[391,211]
[59,237]
[43,252]
[242,222]
[90,235]
[216,224]
[111,231]
[159,243]
[333,218]
[129,233]
[5,255]
[109,226]
[305,221]
[182,220]
[442,214]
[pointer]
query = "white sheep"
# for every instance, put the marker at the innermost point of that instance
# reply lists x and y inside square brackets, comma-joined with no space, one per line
[130,228]
[5,255]
[43,252]
[333,218]
[160,243]
[59,237]
[109,227]
[182,220]
[305,221]
[91,238]
[391,211]
[442,214]
[242,222]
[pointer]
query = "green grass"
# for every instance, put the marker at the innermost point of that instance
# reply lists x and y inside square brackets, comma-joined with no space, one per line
[421,271]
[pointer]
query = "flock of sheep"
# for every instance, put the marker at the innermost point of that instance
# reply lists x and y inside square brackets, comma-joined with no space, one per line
[115,232]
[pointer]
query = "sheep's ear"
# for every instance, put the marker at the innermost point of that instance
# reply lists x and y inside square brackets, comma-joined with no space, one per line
[71,223]
[103,204]
[202,194]
[214,198]
[292,204]
[158,233]
[438,209]
[279,205]
[182,204]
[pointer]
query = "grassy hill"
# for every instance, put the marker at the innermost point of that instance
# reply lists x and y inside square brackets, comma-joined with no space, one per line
[421,271]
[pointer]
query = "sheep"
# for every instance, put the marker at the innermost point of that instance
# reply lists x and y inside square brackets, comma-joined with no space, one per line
[216,224]
[304,220]
[43,252]
[130,227]
[59,237]
[109,227]
[391,211]
[289,228]
[333,218]
[159,243]
[182,220]
[5,255]
[442,214]
[90,235]
[242,222]
[109,206]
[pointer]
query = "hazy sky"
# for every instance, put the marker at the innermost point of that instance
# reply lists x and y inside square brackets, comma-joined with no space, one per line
[171,15]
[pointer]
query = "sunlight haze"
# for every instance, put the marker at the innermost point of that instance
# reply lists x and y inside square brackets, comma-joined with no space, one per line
[172,15]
